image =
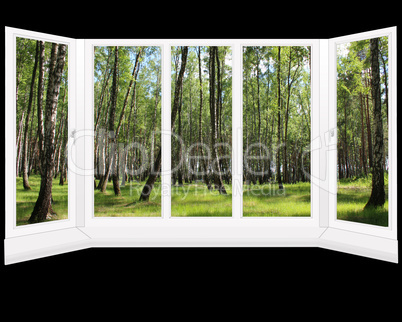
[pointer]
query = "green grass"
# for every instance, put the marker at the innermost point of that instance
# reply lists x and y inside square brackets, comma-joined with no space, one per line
[187,200]
[268,201]
[195,200]
[127,205]
[26,199]
[353,195]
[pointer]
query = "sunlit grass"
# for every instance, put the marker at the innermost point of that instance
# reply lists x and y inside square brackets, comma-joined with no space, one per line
[268,201]
[195,200]
[26,199]
[127,205]
[353,195]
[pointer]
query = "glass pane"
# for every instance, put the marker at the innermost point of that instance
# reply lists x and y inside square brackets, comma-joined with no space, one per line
[276,130]
[362,122]
[41,131]
[127,123]
[201,131]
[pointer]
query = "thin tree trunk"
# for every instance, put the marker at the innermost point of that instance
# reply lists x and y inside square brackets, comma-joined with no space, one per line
[203,162]
[19,142]
[385,82]
[146,191]
[346,143]
[180,148]
[363,148]
[25,181]
[112,137]
[377,198]
[43,204]
[213,51]
[278,154]
[368,122]
[39,107]
[63,153]
[260,174]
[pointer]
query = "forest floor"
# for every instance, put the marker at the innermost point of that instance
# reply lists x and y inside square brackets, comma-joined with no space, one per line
[195,200]
[127,205]
[353,195]
[268,201]
[26,199]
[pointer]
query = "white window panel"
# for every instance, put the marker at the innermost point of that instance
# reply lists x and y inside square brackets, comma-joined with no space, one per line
[12,230]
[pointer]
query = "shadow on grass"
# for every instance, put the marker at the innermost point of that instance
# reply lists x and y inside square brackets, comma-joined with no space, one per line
[350,207]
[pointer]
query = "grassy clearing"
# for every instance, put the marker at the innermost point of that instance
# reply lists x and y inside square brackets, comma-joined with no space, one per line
[127,205]
[187,200]
[268,201]
[26,199]
[353,195]
[195,200]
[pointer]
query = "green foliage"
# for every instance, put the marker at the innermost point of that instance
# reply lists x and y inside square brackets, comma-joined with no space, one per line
[148,88]
[354,105]
[260,100]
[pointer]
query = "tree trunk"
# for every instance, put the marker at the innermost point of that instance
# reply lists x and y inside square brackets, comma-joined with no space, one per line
[385,82]
[25,181]
[112,138]
[63,154]
[180,148]
[260,173]
[363,148]
[146,191]
[346,142]
[213,51]
[368,122]
[203,162]
[377,198]
[41,86]
[278,154]
[19,142]
[114,134]
[43,204]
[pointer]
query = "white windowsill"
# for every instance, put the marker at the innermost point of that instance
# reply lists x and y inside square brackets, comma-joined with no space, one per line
[39,245]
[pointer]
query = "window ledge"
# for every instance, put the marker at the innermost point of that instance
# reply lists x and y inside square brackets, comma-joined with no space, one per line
[18,249]
[360,244]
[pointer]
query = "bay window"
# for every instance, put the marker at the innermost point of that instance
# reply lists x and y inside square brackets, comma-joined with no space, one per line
[201,142]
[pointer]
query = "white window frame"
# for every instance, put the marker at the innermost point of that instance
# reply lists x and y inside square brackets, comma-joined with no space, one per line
[12,230]
[237,145]
[83,230]
[385,232]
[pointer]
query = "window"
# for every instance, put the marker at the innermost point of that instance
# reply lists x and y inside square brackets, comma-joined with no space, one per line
[247,87]
[127,122]
[276,130]
[201,131]
[362,127]
[39,97]
[41,63]
[362,77]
